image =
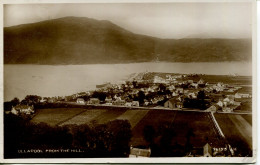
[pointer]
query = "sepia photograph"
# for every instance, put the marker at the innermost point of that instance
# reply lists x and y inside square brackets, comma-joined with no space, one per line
[163,81]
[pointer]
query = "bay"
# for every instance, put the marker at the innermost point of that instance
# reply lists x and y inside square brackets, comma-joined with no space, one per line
[62,80]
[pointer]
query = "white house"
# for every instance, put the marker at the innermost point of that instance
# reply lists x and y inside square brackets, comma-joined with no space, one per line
[220,103]
[207,151]
[212,108]
[146,103]
[171,88]
[201,81]
[128,104]
[227,109]
[22,109]
[80,101]
[238,96]
[195,85]
[137,152]
[192,95]
[158,79]
[94,101]
[135,103]
[245,95]
[108,100]
[226,100]
[174,94]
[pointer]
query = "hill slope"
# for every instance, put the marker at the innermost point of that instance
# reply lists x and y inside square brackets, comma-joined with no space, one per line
[73,40]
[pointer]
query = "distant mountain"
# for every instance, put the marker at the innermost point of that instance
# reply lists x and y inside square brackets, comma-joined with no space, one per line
[74,40]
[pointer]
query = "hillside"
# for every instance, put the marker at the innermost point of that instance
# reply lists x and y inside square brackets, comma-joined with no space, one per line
[74,40]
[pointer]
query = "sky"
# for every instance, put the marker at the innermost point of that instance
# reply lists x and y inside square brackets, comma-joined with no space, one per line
[163,20]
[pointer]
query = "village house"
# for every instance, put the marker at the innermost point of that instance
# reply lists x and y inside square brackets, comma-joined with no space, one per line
[237,88]
[173,103]
[179,90]
[119,102]
[201,83]
[241,95]
[237,103]
[194,85]
[80,101]
[220,103]
[171,87]
[135,103]
[128,104]
[238,96]
[108,104]
[169,77]
[226,100]
[218,88]
[154,101]
[43,100]
[52,100]
[186,92]
[117,97]
[150,89]
[22,109]
[137,152]
[159,80]
[227,109]
[212,108]
[108,100]
[192,95]
[170,103]
[230,108]
[231,90]
[174,94]
[207,89]
[179,105]
[207,151]
[94,101]
[146,103]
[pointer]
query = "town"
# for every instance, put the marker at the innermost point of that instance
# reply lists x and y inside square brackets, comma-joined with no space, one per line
[162,95]
[154,91]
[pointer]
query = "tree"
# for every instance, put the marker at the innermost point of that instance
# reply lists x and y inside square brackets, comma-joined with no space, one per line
[162,87]
[201,95]
[149,133]
[15,101]
[141,97]
[100,95]
[32,99]
[134,83]
[121,136]
[188,146]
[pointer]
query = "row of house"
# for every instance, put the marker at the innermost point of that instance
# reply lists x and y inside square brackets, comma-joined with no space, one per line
[227,104]
[22,109]
[124,94]
[108,101]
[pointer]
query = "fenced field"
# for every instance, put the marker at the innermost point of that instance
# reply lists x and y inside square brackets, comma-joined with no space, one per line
[236,128]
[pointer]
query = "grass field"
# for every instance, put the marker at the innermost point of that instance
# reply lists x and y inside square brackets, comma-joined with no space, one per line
[108,116]
[56,116]
[84,117]
[248,118]
[133,116]
[237,130]
[152,118]
[201,124]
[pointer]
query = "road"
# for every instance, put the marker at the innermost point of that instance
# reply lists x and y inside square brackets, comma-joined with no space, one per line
[162,108]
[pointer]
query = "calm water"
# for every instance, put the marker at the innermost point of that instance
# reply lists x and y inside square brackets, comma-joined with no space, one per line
[61,80]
